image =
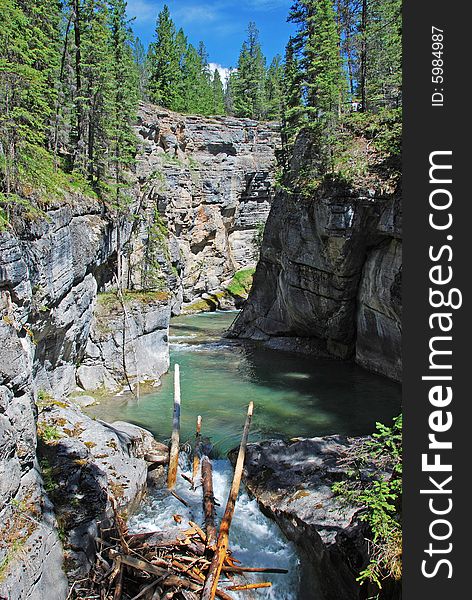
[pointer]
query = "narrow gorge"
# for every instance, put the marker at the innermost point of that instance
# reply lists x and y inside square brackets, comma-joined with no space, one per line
[204,189]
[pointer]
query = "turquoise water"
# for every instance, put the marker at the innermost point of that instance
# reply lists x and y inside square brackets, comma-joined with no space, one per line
[294,395]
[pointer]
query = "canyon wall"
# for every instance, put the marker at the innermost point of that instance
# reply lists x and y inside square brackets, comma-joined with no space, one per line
[51,269]
[329,277]
[210,182]
[201,189]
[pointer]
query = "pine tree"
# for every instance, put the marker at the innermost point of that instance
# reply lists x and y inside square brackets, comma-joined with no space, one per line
[206,104]
[181,46]
[292,106]
[28,62]
[383,53]
[141,63]
[123,108]
[124,96]
[318,41]
[248,81]
[97,90]
[218,94]
[273,90]
[348,24]
[229,93]
[164,62]
[197,86]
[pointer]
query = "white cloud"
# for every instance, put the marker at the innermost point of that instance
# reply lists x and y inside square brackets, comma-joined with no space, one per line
[223,71]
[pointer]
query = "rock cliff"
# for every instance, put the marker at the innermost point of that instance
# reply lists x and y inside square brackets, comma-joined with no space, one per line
[330,270]
[91,468]
[209,182]
[51,269]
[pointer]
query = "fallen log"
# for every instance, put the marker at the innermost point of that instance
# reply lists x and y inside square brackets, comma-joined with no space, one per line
[253,570]
[249,586]
[209,503]
[214,571]
[175,440]
[179,498]
[168,579]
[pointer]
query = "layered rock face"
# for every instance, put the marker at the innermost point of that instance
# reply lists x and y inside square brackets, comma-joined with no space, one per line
[330,272]
[292,483]
[128,338]
[50,271]
[210,181]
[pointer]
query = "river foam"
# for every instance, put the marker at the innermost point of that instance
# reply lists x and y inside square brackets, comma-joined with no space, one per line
[254,539]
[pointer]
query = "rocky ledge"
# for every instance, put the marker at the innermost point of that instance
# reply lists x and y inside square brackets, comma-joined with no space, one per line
[292,484]
[91,469]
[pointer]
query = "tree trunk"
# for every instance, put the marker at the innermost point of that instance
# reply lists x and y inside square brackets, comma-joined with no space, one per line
[364,56]
[214,571]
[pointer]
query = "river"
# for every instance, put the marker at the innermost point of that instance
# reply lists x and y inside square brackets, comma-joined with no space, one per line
[294,395]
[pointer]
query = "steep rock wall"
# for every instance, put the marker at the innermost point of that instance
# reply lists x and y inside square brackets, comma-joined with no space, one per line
[330,273]
[50,271]
[210,183]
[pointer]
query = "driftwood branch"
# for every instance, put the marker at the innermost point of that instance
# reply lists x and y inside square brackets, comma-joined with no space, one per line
[214,571]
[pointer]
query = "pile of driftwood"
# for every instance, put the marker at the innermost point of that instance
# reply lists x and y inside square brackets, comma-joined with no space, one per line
[193,564]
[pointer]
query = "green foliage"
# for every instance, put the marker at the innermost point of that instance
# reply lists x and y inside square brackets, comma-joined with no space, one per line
[123,102]
[157,252]
[28,56]
[69,84]
[39,184]
[111,299]
[249,79]
[48,433]
[179,75]
[383,42]
[345,57]
[218,94]
[379,496]
[142,67]
[317,42]
[384,128]
[198,91]
[273,90]
[164,62]
[241,283]
[47,472]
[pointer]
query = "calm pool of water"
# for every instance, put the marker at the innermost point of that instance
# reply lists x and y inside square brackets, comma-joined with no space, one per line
[294,395]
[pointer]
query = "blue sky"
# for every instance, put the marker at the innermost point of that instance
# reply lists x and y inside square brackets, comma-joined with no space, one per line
[221,24]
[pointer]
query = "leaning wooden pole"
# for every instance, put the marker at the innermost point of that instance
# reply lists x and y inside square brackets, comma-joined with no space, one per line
[214,571]
[175,441]
[196,451]
[209,503]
